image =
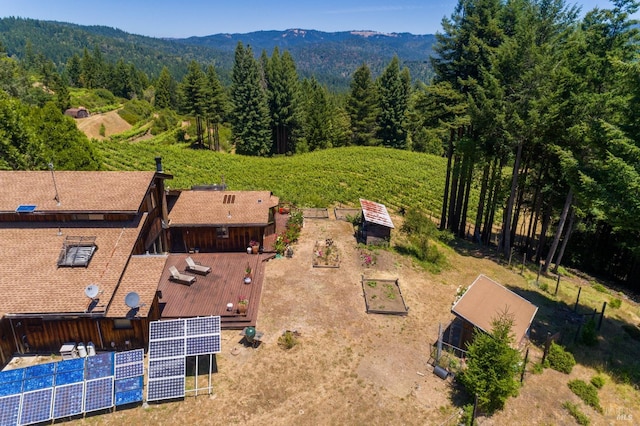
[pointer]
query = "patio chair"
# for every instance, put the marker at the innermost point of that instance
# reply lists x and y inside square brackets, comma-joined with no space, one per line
[193,266]
[181,278]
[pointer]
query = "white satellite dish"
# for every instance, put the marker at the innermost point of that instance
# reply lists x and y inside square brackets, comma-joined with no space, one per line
[91,291]
[132,300]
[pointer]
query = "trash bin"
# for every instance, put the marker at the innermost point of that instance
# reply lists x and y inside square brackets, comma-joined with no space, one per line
[91,349]
[82,350]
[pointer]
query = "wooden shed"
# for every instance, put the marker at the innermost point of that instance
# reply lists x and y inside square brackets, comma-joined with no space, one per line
[484,301]
[80,112]
[376,223]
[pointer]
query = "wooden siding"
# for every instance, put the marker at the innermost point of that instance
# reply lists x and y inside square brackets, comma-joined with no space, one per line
[205,239]
[376,234]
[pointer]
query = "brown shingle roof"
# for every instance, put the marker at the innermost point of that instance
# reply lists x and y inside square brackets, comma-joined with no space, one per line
[142,276]
[485,300]
[32,282]
[198,208]
[77,191]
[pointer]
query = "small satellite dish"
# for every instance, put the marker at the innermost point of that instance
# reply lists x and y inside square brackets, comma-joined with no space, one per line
[132,300]
[91,291]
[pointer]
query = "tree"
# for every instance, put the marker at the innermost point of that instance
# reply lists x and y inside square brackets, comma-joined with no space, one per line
[216,107]
[318,117]
[362,107]
[165,90]
[194,94]
[492,365]
[250,115]
[393,100]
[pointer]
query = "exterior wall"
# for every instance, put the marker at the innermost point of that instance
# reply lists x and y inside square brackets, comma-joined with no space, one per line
[7,342]
[376,234]
[206,240]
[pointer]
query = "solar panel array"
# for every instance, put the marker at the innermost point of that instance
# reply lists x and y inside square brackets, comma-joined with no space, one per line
[170,342]
[45,392]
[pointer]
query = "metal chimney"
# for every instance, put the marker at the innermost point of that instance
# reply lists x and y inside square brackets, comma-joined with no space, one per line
[159,165]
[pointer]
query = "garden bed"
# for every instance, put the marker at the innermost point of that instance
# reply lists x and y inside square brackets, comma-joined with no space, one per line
[326,254]
[383,296]
[315,213]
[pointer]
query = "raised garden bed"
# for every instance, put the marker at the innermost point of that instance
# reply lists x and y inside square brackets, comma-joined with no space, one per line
[383,296]
[325,254]
[315,213]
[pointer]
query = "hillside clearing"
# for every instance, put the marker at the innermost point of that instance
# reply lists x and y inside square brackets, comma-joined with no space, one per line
[113,125]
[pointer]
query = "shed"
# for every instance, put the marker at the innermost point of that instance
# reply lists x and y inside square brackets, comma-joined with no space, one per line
[376,223]
[80,112]
[483,302]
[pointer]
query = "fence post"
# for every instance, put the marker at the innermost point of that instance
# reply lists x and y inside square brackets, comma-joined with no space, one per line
[524,260]
[524,366]
[575,307]
[604,306]
[557,285]
[547,344]
[439,347]
[539,270]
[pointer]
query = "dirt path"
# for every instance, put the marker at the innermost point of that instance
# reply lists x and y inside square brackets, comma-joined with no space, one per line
[112,122]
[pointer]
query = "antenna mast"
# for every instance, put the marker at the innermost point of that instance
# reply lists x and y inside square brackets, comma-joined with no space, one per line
[53,176]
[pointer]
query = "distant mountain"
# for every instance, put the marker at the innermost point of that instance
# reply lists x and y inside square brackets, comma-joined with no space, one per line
[333,55]
[330,57]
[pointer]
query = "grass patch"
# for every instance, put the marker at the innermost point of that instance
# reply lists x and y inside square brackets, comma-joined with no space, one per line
[575,412]
[288,340]
[586,392]
[600,288]
[615,303]
[598,381]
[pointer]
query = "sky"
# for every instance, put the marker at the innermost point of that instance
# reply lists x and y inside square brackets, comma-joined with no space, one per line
[185,18]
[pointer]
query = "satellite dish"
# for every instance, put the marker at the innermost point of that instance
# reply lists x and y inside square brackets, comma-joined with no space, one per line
[132,300]
[91,291]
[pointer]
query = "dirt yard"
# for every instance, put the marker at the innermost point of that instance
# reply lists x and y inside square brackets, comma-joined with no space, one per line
[113,125]
[350,367]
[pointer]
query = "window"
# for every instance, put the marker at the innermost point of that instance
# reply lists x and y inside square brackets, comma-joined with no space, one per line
[122,324]
[77,251]
[223,232]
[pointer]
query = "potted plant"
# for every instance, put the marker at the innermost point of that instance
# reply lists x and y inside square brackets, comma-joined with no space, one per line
[247,274]
[243,302]
[254,246]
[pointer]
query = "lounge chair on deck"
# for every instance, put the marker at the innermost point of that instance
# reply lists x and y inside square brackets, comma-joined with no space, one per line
[193,266]
[181,278]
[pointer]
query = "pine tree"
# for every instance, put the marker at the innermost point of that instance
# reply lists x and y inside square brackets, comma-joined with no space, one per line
[362,107]
[216,107]
[165,90]
[318,116]
[393,101]
[250,116]
[194,91]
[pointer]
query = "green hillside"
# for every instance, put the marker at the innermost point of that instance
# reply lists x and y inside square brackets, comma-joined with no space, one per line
[318,179]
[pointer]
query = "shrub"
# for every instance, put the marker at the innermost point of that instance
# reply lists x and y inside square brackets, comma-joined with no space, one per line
[600,288]
[288,340]
[164,120]
[103,130]
[559,359]
[589,335]
[580,417]
[615,303]
[544,287]
[135,111]
[586,392]
[598,381]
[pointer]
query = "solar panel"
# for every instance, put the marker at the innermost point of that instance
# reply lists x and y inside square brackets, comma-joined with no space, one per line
[129,370]
[9,410]
[98,394]
[26,208]
[128,384]
[67,400]
[69,377]
[203,325]
[166,329]
[167,368]
[203,345]
[165,388]
[99,366]
[128,397]
[69,365]
[36,406]
[12,388]
[11,375]
[37,383]
[40,370]
[166,349]
[129,357]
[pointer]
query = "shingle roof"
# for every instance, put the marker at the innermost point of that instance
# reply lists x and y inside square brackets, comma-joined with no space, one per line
[485,300]
[375,213]
[77,191]
[32,282]
[142,276]
[211,208]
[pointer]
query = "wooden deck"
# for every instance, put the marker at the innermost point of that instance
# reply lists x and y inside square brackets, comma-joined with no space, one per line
[210,293]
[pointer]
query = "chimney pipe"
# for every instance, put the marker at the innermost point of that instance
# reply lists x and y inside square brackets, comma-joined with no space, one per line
[159,165]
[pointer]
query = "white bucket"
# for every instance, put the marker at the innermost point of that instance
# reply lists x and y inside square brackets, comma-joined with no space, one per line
[91,349]
[82,350]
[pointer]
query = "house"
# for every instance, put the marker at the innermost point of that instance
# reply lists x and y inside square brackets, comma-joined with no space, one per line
[221,221]
[80,112]
[484,301]
[376,223]
[81,255]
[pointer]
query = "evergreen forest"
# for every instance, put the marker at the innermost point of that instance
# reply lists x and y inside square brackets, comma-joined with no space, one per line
[531,107]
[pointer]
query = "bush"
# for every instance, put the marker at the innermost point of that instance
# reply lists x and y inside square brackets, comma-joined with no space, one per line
[288,340]
[586,392]
[135,111]
[589,335]
[165,120]
[615,303]
[559,359]
[598,381]
[580,417]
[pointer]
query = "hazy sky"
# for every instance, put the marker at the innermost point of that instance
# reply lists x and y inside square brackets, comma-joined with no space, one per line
[172,18]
